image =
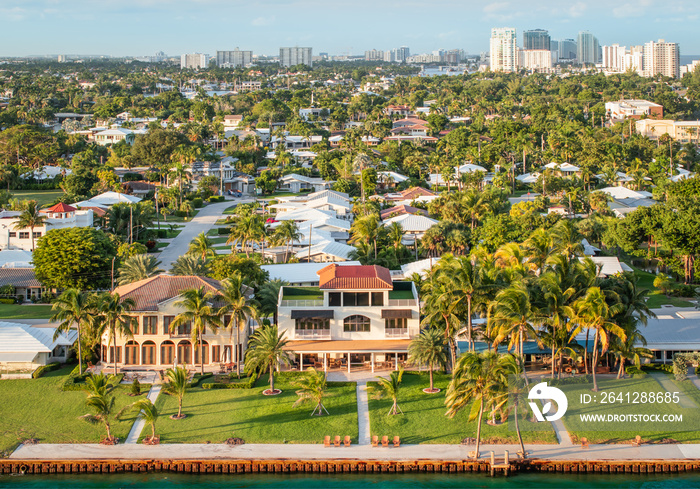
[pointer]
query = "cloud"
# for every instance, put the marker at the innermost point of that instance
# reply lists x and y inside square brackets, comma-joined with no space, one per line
[262,21]
[577,9]
[636,9]
[500,11]
[14,14]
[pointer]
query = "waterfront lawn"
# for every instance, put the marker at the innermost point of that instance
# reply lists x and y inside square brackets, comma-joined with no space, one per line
[38,408]
[214,415]
[604,432]
[42,197]
[424,419]
[18,311]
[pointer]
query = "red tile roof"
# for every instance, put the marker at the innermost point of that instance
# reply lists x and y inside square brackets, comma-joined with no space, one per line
[399,210]
[355,277]
[413,192]
[150,292]
[61,207]
[98,211]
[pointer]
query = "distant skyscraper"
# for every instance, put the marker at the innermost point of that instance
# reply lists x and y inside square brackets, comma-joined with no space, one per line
[295,56]
[402,54]
[536,39]
[567,49]
[233,59]
[374,55]
[504,49]
[194,61]
[614,57]
[588,48]
[662,58]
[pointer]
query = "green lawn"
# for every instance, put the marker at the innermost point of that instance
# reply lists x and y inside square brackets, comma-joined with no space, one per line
[624,432]
[656,298]
[172,219]
[216,415]
[38,408]
[42,197]
[231,210]
[219,240]
[18,311]
[424,419]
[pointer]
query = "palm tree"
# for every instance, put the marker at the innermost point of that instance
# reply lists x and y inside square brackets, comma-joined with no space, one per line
[428,348]
[593,312]
[147,410]
[185,156]
[102,405]
[360,162]
[199,313]
[176,386]
[202,245]
[112,314]
[477,379]
[558,310]
[97,385]
[190,265]
[247,228]
[238,307]
[268,296]
[395,236]
[366,229]
[138,267]
[30,218]
[390,388]
[266,351]
[312,387]
[73,307]
[287,232]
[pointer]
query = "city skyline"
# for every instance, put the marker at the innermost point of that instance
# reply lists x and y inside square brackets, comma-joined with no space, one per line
[43,27]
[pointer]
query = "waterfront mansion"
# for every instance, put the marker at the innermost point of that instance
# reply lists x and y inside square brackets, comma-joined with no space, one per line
[153,345]
[357,318]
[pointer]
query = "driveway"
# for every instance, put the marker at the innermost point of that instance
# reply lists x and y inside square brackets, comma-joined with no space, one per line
[203,222]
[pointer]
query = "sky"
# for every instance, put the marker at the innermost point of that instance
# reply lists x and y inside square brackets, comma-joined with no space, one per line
[143,27]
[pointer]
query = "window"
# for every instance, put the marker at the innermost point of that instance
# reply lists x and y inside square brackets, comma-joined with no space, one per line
[396,323]
[167,320]
[37,234]
[184,329]
[356,323]
[355,299]
[216,354]
[377,298]
[150,325]
[135,325]
[334,299]
[24,235]
[13,234]
[312,323]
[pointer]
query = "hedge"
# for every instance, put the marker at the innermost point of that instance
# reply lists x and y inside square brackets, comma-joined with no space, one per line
[249,384]
[223,231]
[45,368]
[658,367]
[198,378]
[162,233]
[197,202]
[7,300]
[634,372]
[578,379]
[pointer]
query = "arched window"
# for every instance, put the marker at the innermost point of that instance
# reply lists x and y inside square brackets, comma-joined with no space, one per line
[204,347]
[131,353]
[167,353]
[184,352]
[148,353]
[356,323]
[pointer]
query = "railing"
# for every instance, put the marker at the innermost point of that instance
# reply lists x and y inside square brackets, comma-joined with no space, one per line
[302,303]
[402,302]
[184,335]
[396,332]
[312,334]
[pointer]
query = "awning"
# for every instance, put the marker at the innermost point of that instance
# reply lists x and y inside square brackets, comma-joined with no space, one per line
[348,346]
[396,313]
[18,356]
[312,314]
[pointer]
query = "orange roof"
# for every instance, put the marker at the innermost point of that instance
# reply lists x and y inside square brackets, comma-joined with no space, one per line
[61,207]
[355,277]
[150,292]
[399,210]
[413,192]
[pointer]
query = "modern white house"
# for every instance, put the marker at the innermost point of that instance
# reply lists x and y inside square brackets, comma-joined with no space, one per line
[357,317]
[296,183]
[326,251]
[108,199]
[24,347]
[115,135]
[300,274]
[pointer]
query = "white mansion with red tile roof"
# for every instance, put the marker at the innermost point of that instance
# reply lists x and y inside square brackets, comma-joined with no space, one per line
[357,317]
[59,216]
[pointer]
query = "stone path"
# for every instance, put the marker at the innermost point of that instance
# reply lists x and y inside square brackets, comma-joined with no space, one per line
[140,423]
[363,414]
[562,434]
[665,382]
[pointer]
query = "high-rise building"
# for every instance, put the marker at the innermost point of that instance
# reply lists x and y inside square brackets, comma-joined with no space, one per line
[567,49]
[536,39]
[662,58]
[374,55]
[504,49]
[402,54]
[194,61]
[295,56]
[587,48]
[539,60]
[233,59]
[613,57]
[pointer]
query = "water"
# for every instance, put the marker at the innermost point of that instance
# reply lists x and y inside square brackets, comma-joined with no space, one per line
[346,481]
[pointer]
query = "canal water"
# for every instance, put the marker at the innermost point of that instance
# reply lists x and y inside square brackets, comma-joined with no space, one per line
[347,481]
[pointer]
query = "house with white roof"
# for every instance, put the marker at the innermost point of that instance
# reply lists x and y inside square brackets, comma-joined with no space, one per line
[299,274]
[389,179]
[296,183]
[47,173]
[414,226]
[108,199]
[326,251]
[25,347]
[626,200]
[563,169]
[233,180]
[113,136]
[305,214]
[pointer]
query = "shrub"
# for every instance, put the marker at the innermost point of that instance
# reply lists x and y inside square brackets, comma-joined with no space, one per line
[162,233]
[150,244]
[45,368]
[577,379]
[136,387]
[658,367]
[198,378]
[132,177]
[197,202]
[634,372]
[248,384]
[223,231]
[8,300]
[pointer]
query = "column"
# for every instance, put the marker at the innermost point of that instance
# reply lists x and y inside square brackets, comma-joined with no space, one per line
[301,362]
[396,361]
[372,362]
[325,362]
[348,362]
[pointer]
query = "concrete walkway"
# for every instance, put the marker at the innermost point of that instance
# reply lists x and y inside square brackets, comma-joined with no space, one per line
[140,423]
[203,222]
[363,414]
[666,384]
[355,452]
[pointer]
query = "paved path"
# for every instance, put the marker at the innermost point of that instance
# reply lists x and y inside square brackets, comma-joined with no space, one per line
[363,414]
[562,434]
[665,382]
[203,222]
[355,452]
[693,377]
[140,423]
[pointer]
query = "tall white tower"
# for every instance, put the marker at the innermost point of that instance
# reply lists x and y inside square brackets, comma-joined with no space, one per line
[504,49]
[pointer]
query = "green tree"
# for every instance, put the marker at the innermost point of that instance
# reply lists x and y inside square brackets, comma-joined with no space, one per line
[176,385]
[102,406]
[200,313]
[190,265]
[286,233]
[138,267]
[202,245]
[663,283]
[265,352]
[267,297]
[114,318]
[147,410]
[73,308]
[428,348]
[30,218]
[238,307]
[390,388]
[78,258]
[312,388]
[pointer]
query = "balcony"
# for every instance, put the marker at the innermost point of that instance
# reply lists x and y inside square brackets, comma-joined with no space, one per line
[312,334]
[301,297]
[301,303]
[402,302]
[396,333]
